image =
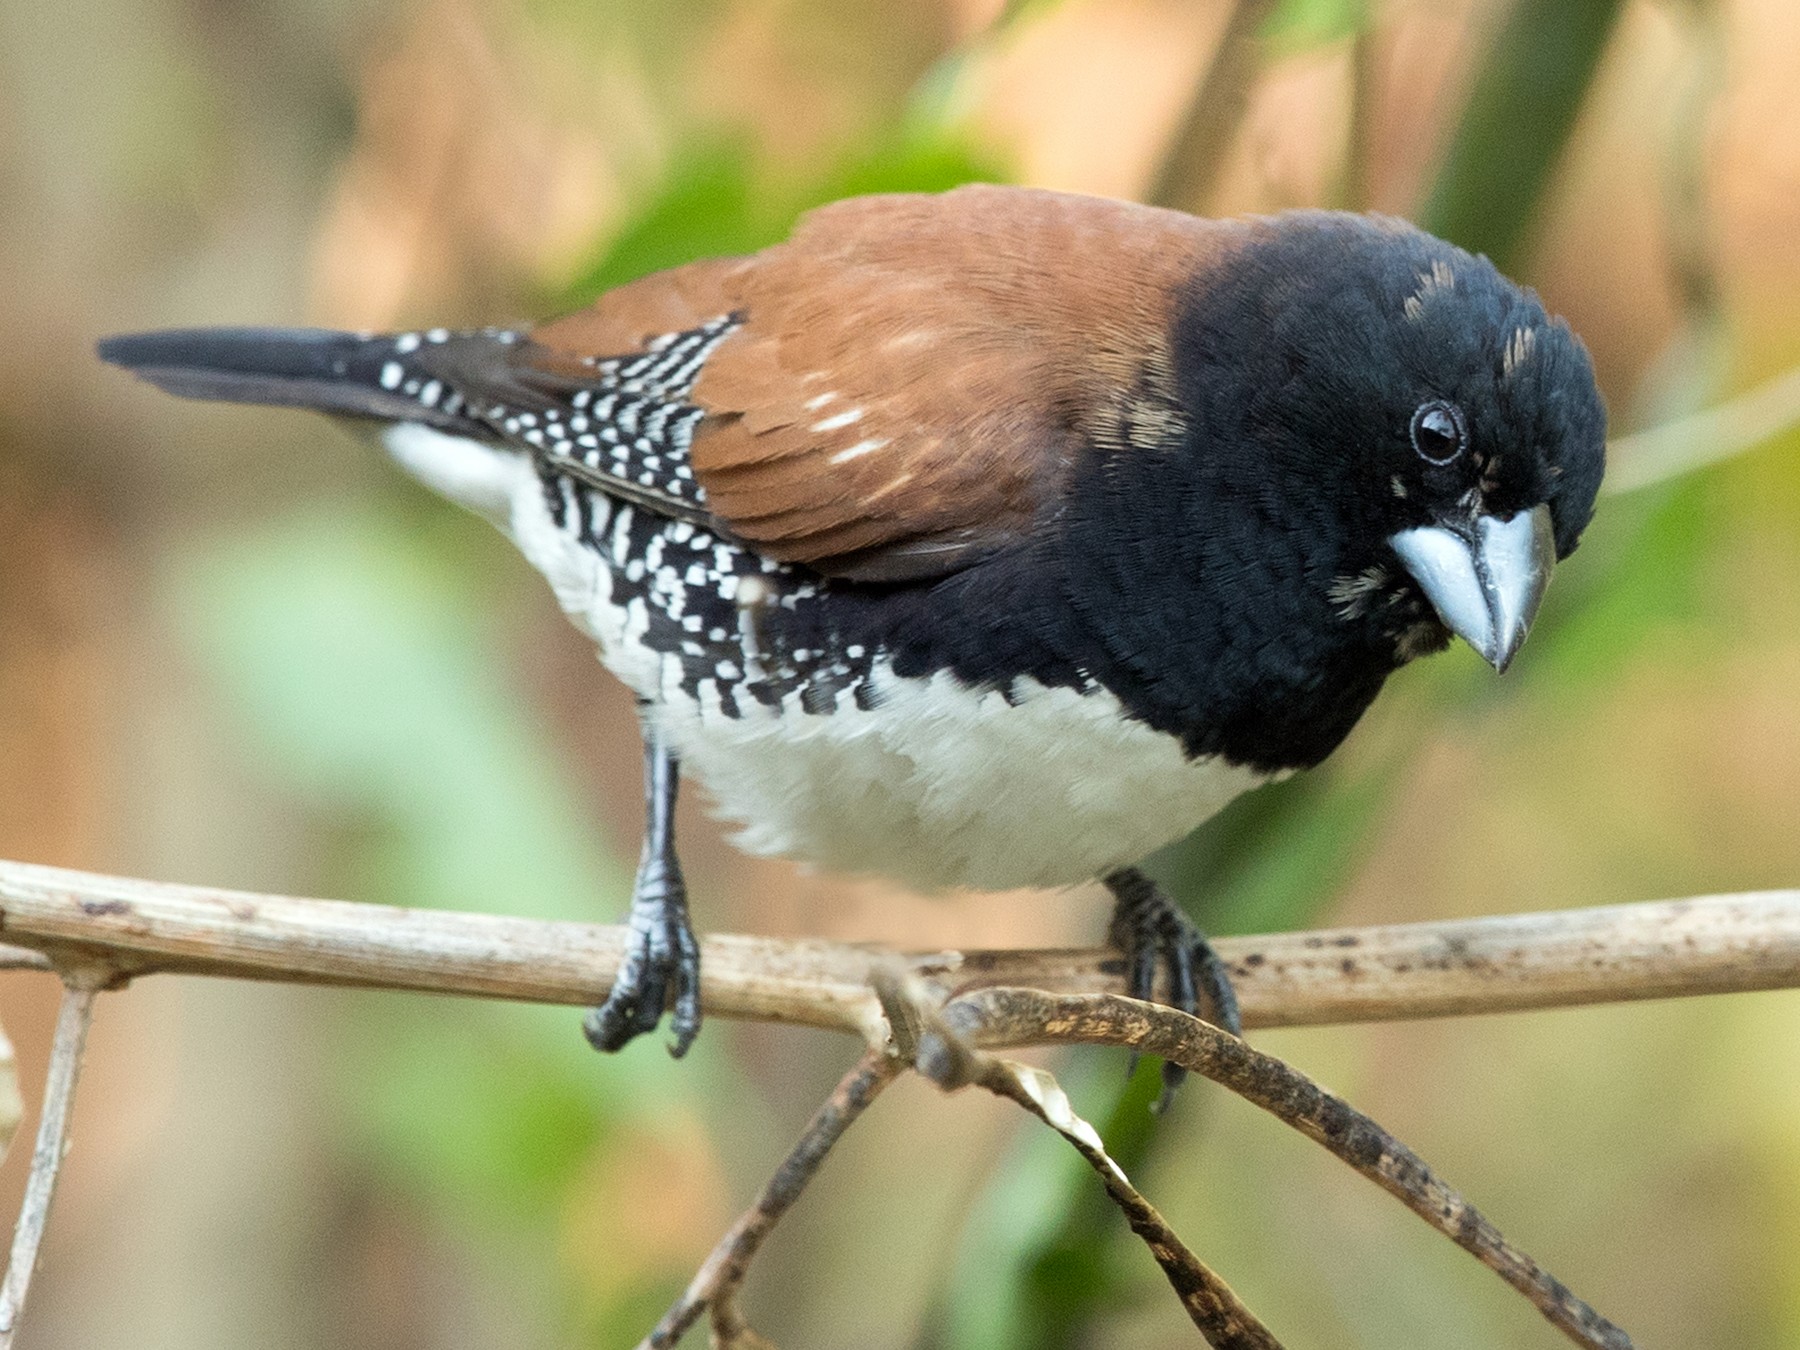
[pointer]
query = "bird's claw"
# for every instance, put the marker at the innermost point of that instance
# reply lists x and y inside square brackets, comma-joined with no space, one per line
[660,951]
[1147,927]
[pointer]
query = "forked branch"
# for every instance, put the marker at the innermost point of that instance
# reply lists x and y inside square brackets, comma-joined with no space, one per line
[946,1056]
[943,1043]
[106,930]
[1003,1016]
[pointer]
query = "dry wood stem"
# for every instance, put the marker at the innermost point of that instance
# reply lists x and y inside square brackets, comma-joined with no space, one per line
[99,931]
[66,1050]
[714,1287]
[1016,1016]
[1710,944]
[1211,1304]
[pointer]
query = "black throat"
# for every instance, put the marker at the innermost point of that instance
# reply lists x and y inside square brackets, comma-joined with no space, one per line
[1202,620]
[1208,610]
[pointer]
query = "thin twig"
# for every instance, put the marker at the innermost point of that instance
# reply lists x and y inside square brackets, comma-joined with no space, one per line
[1014,1016]
[1210,121]
[1634,951]
[1711,944]
[1718,433]
[1210,1303]
[714,1287]
[66,1049]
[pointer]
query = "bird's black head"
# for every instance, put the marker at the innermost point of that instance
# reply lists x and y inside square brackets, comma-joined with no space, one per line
[1380,441]
[1427,436]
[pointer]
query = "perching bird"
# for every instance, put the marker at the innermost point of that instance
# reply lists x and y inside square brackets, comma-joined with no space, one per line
[996,538]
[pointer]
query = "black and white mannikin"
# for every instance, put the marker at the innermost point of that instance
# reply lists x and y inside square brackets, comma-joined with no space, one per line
[997,538]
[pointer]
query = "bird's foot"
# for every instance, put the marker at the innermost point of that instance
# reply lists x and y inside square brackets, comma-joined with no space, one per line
[1147,926]
[661,951]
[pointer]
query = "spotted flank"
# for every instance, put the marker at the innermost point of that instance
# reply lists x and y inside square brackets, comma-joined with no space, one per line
[682,608]
[732,631]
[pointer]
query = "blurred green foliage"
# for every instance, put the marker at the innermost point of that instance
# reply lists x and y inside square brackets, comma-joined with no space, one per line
[1297,25]
[1516,122]
[362,660]
[715,201]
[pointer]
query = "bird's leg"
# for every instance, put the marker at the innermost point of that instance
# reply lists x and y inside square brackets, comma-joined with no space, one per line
[661,948]
[1146,924]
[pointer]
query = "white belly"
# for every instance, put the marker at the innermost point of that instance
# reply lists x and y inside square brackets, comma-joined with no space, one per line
[936,785]
[943,785]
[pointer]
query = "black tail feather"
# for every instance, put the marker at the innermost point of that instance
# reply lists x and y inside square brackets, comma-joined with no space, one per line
[316,368]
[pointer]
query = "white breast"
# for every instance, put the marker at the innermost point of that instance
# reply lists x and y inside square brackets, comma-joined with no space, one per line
[936,785]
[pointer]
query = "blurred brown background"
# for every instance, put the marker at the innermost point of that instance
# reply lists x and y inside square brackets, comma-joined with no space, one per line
[236,647]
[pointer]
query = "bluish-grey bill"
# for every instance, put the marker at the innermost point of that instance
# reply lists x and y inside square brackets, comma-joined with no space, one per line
[1485,577]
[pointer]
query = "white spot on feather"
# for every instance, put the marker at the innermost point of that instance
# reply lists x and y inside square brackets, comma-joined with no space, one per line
[861,448]
[839,421]
[1518,350]
[1441,278]
[1352,595]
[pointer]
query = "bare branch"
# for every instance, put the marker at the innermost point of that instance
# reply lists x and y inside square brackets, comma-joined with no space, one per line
[944,1044]
[46,1158]
[106,929]
[1718,433]
[1211,1303]
[1711,944]
[1019,1016]
[1209,123]
[714,1287]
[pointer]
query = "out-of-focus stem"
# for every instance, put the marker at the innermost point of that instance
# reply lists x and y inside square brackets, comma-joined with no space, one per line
[46,1158]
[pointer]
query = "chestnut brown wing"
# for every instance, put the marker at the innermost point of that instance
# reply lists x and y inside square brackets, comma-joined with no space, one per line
[910,377]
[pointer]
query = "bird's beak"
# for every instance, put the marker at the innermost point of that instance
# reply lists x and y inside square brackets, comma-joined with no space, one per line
[1485,576]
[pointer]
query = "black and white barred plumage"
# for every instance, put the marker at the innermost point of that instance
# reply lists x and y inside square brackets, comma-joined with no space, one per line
[612,454]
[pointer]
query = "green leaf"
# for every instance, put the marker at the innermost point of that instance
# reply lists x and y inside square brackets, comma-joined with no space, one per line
[708,206]
[715,203]
[1301,25]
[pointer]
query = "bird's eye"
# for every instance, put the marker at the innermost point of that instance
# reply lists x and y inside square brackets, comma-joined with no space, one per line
[1439,433]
